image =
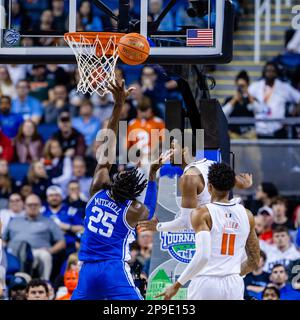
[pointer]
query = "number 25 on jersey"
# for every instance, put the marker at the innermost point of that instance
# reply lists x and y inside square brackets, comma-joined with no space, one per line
[100,223]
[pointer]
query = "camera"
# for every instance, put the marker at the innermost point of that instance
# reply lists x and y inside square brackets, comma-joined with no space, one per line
[198,8]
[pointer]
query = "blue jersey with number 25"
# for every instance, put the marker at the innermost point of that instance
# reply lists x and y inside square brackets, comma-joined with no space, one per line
[107,235]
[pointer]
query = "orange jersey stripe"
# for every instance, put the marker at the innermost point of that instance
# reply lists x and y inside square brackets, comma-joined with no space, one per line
[231,244]
[224,244]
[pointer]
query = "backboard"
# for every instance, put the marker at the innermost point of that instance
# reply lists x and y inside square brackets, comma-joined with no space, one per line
[179,31]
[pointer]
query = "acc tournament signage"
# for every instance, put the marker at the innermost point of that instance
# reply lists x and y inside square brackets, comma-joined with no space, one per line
[181,246]
[172,251]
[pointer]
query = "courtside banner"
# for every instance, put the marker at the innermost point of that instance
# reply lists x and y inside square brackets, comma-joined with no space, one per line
[172,251]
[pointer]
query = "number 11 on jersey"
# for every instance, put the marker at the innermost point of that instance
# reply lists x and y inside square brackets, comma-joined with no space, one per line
[227,247]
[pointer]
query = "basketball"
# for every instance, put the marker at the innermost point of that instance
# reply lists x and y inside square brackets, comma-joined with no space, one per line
[133,49]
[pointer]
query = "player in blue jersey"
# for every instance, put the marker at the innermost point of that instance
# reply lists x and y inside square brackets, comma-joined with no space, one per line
[112,215]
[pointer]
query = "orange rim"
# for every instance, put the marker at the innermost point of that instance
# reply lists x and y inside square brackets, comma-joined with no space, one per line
[92,36]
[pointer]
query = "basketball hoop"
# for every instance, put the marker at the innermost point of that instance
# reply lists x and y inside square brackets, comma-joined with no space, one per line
[96,54]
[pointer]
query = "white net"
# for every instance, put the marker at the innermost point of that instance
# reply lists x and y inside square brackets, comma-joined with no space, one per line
[96,62]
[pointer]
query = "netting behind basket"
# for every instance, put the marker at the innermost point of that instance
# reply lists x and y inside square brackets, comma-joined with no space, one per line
[96,68]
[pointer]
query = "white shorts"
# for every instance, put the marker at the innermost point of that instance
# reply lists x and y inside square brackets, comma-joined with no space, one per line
[216,288]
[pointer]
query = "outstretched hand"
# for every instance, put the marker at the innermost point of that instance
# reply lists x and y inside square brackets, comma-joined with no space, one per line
[243,180]
[119,92]
[163,159]
[148,225]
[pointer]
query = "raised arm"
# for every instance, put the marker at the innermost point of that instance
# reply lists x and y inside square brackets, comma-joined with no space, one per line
[252,249]
[189,187]
[108,138]
[201,222]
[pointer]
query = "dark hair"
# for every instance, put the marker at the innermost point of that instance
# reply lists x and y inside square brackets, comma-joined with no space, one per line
[278,200]
[73,181]
[270,189]
[36,283]
[263,255]
[279,229]
[90,14]
[278,265]
[221,176]
[5,97]
[20,135]
[270,287]
[127,185]
[243,75]
[272,64]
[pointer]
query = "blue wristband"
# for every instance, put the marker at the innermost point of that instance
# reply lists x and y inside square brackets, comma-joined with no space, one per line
[150,198]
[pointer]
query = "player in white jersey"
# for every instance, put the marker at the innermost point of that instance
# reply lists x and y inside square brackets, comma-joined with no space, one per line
[193,187]
[224,230]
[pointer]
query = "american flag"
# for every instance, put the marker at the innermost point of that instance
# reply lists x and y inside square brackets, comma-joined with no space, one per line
[200,37]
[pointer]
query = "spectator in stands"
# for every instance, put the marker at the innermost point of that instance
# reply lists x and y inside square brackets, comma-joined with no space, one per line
[7,88]
[58,74]
[283,251]
[134,263]
[260,228]
[67,218]
[242,104]
[17,72]
[145,242]
[58,102]
[271,293]
[154,89]
[74,198]
[28,107]
[274,94]
[279,208]
[60,18]
[46,24]
[79,174]
[28,143]
[41,233]
[35,8]
[2,281]
[51,290]
[155,8]
[7,184]
[140,134]
[89,21]
[265,193]
[103,108]
[86,123]
[58,166]
[71,141]
[70,265]
[137,94]
[39,82]
[17,288]
[9,121]
[6,147]
[20,21]
[37,289]
[256,281]
[15,210]
[38,179]
[279,279]
[70,281]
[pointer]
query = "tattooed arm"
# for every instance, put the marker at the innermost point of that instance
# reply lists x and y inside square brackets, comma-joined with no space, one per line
[252,249]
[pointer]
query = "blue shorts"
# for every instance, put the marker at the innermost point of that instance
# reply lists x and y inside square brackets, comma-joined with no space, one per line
[106,280]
